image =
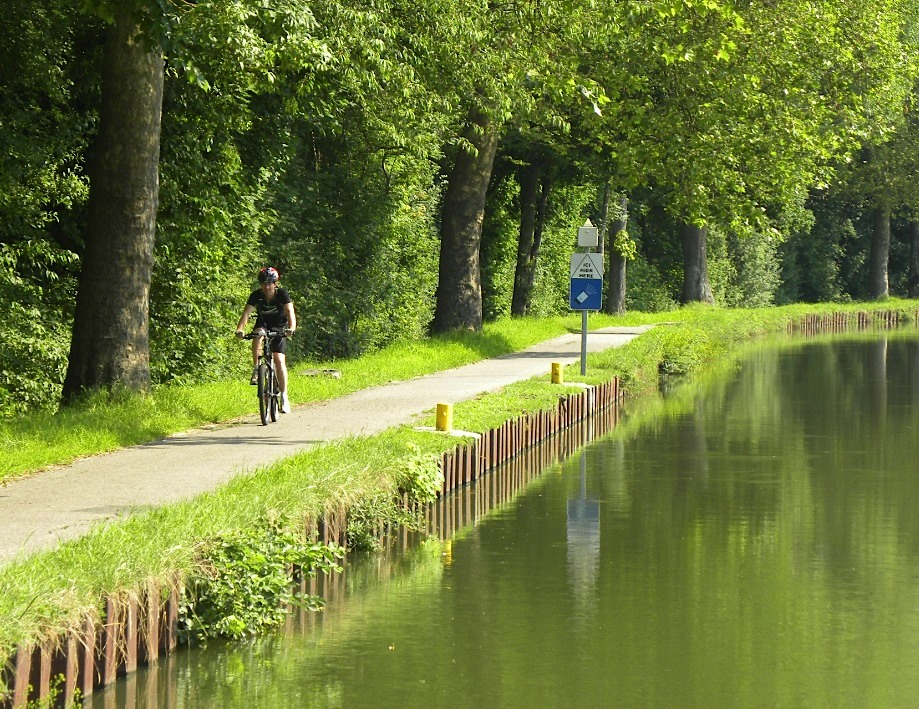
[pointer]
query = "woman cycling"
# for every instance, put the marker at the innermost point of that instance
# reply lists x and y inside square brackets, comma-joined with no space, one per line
[275,311]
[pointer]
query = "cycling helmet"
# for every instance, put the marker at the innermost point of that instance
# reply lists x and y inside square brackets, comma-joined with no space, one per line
[268,275]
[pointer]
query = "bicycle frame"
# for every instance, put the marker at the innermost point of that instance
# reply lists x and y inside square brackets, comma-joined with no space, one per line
[269,395]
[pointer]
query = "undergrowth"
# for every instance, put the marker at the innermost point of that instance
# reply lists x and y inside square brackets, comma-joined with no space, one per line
[243,580]
[417,482]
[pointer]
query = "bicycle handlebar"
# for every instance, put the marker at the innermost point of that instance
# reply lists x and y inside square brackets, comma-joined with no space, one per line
[263,333]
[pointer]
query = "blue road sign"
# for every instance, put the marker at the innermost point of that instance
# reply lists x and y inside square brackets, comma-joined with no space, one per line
[585,293]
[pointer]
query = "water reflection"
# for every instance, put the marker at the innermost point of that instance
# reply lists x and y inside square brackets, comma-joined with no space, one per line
[753,543]
[583,545]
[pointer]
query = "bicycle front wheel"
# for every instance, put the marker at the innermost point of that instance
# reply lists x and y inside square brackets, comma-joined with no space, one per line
[273,397]
[264,394]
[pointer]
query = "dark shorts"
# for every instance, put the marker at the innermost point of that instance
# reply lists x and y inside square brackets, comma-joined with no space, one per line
[276,343]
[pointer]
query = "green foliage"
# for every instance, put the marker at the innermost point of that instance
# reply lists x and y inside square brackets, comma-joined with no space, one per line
[624,245]
[243,581]
[34,334]
[359,248]
[208,231]
[55,695]
[311,136]
[567,204]
[684,349]
[500,233]
[827,261]
[419,480]
[647,291]
[811,264]
[48,54]
[370,515]
[743,267]
[757,269]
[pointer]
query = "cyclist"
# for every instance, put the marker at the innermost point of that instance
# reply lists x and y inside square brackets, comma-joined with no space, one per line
[274,310]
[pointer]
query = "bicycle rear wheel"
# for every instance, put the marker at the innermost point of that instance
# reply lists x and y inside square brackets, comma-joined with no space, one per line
[273,397]
[264,395]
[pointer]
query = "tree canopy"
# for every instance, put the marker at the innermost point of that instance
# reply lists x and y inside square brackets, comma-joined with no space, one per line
[413,166]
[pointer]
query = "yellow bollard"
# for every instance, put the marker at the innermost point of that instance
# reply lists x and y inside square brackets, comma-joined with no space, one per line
[557,373]
[445,417]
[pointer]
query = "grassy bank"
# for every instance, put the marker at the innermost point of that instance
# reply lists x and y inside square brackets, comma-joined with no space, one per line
[50,592]
[683,343]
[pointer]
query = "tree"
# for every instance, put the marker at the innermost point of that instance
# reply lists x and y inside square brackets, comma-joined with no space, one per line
[913,285]
[878,281]
[734,109]
[44,93]
[696,286]
[246,47]
[620,250]
[520,53]
[535,186]
[459,286]
[110,341]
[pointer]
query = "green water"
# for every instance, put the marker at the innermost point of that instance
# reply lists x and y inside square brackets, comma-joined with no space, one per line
[753,542]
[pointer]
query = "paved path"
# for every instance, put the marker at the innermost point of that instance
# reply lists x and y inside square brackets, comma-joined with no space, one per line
[62,503]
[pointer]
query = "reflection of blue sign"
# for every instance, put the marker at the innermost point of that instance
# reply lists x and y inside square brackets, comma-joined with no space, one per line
[585,293]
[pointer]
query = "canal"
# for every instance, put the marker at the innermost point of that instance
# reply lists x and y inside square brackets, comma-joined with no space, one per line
[751,540]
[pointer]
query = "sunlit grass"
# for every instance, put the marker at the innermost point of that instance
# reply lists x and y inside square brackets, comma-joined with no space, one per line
[101,424]
[684,343]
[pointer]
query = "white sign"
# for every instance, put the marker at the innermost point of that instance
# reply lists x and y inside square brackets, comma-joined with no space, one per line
[588,235]
[587,266]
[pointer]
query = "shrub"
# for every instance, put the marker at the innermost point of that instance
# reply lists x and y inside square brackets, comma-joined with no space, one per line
[244,581]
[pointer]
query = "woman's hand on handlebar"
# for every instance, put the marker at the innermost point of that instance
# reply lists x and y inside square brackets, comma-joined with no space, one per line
[257,332]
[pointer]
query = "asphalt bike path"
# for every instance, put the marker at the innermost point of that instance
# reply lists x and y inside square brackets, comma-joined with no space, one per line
[64,502]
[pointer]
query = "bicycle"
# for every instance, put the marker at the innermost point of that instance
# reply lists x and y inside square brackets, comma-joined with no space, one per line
[269,395]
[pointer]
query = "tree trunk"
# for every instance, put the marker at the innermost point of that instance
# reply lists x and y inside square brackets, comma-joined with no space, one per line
[696,286]
[878,284]
[110,340]
[459,287]
[913,284]
[534,197]
[615,280]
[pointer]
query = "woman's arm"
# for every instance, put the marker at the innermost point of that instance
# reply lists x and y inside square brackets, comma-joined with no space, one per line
[247,311]
[291,317]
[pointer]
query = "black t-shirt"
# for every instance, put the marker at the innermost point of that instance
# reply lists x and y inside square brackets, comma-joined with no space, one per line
[270,315]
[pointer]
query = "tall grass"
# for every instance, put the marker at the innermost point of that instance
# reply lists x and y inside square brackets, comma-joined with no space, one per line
[683,343]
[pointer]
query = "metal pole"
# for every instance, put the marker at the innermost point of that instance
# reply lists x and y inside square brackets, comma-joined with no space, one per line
[583,342]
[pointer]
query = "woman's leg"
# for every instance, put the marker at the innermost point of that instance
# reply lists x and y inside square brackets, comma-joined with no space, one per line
[256,348]
[280,370]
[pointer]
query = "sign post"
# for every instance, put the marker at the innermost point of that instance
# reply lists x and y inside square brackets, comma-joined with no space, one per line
[586,289]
